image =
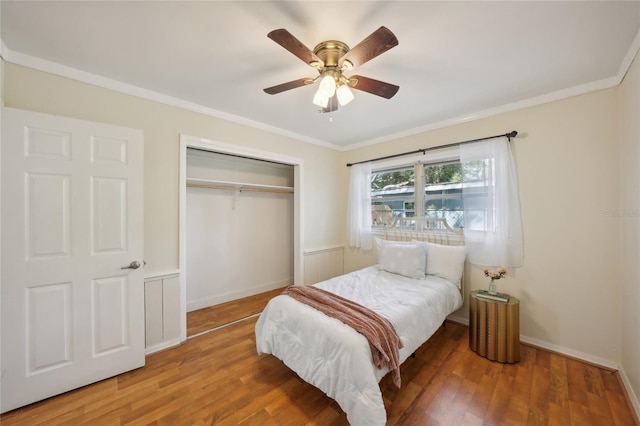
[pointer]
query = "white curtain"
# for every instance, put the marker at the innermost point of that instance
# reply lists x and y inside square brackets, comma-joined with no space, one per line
[492,221]
[359,207]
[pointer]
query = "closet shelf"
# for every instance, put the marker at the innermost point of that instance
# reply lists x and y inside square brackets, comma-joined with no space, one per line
[237,186]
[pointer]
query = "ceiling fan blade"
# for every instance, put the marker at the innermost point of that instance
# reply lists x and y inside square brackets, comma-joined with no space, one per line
[285,39]
[376,87]
[377,43]
[288,86]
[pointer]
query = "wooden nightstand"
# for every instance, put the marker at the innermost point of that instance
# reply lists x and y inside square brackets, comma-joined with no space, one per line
[494,328]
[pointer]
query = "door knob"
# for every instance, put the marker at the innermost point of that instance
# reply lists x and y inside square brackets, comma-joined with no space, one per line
[133,265]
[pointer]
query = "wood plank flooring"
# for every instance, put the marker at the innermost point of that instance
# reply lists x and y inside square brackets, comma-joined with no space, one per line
[217,378]
[224,313]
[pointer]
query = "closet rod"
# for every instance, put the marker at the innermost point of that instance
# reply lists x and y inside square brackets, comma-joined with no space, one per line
[511,134]
[240,188]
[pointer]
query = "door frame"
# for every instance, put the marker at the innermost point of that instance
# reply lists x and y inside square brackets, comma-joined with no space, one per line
[187,141]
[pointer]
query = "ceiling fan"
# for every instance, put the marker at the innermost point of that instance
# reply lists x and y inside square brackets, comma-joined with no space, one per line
[331,58]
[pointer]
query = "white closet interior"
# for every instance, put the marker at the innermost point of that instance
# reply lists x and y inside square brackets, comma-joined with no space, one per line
[239,227]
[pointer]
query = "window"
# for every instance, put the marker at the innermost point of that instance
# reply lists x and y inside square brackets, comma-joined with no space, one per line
[443,192]
[393,193]
[475,188]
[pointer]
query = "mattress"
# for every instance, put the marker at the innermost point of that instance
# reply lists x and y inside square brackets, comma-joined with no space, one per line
[335,358]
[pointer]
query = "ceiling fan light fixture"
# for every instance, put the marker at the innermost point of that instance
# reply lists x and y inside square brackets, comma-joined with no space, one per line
[320,100]
[344,94]
[347,65]
[327,85]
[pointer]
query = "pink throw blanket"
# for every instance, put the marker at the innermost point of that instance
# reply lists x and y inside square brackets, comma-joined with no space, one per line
[379,331]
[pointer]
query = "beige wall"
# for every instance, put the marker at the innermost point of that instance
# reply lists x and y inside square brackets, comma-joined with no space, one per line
[629,222]
[567,156]
[572,156]
[33,90]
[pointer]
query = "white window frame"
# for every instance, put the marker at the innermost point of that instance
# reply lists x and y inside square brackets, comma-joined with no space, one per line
[418,162]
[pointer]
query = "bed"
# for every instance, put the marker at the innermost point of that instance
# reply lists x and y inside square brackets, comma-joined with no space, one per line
[416,284]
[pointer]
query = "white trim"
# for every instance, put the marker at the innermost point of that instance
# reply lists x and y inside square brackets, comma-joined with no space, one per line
[459,320]
[97,80]
[490,112]
[162,346]
[514,106]
[118,86]
[182,233]
[570,352]
[628,59]
[205,302]
[224,325]
[633,398]
[555,348]
[161,275]
[323,249]
[187,141]
[228,148]
[4,50]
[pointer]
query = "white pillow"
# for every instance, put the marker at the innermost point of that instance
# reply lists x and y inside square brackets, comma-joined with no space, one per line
[403,258]
[446,261]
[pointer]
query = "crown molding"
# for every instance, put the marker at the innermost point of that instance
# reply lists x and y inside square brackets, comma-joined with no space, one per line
[490,112]
[43,65]
[525,103]
[97,80]
[629,57]
[3,50]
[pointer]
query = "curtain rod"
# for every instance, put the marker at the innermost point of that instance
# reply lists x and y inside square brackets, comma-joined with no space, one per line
[511,134]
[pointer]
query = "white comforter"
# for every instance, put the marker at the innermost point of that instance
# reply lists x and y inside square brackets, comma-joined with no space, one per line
[335,358]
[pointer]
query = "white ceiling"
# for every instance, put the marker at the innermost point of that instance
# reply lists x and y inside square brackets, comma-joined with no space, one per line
[454,61]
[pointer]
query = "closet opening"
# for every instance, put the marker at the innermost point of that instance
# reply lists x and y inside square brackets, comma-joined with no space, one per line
[239,231]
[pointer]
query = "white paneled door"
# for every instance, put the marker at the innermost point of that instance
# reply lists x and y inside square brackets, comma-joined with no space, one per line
[72,254]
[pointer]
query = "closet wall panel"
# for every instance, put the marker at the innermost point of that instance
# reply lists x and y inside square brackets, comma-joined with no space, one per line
[162,311]
[239,243]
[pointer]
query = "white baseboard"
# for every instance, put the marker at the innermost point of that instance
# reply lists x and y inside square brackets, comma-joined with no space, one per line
[633,398]
[459,320]
[554,348]
[162,346]
[194,305]
[570,352]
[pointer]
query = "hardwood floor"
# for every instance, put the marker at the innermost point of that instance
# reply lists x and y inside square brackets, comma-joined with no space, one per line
[224,313]
[217,378]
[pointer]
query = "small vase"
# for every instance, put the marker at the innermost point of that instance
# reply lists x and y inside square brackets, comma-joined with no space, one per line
[492,287]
